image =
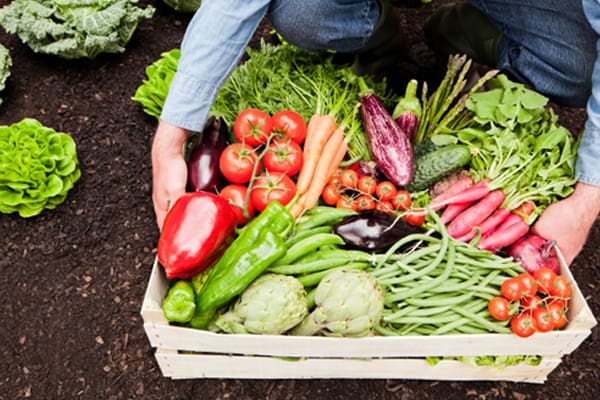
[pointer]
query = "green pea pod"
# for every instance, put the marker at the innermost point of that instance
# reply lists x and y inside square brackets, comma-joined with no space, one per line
[179,304]
[229,280]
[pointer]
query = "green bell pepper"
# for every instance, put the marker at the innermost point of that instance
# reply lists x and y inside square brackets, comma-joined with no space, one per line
[180,303]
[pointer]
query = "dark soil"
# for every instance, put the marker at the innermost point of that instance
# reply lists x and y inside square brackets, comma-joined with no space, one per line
[73,279]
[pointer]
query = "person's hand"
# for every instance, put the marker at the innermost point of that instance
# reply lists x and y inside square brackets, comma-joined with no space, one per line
[569,221]
[169,170]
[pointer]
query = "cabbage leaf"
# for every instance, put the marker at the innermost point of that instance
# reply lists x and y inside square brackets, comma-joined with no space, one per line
[74,28]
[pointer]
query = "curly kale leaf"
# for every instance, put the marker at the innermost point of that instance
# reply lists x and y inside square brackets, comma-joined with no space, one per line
[74,28]
[38,166]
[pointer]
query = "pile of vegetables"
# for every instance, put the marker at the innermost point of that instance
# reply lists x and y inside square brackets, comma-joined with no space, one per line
[38,167]
[5,65]
[424,233]
[72,28]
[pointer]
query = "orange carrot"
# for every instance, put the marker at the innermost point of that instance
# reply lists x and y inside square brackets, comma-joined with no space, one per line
[316,138]
[323,168]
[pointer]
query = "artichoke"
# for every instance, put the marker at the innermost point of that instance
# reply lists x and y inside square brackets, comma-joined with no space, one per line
[349,303]
[272,304]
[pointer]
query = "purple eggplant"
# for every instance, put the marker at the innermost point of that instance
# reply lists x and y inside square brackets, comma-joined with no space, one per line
[203,162]
[390,145]
[373,230]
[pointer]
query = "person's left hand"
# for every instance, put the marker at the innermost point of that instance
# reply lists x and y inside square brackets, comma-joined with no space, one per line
[569,221]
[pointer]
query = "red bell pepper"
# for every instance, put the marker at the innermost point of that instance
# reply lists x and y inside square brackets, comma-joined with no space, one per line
[196,232]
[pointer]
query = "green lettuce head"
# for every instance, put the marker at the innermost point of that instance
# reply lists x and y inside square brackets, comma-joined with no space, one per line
[38,166]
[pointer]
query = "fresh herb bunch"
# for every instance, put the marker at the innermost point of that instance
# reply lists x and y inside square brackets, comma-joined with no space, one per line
[73,28]
[5,65]
[278,77]
[38,166]
[152,93]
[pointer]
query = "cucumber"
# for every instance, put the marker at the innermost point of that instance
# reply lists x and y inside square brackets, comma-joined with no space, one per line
[434,165]
[424,147]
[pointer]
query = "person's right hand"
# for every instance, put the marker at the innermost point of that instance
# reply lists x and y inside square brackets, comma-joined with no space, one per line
[169,169]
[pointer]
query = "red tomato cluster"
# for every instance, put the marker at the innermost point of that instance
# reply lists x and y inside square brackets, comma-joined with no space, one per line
[265,157]
[533,303]
[347,189]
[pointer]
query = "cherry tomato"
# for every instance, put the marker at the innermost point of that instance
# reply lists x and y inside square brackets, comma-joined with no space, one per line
[346,202]
[274,186]
[291,124]
[529,301]
[384,206]
[542,319]
[252,127]
[349,178]
[414,218]
[336,180]
[237,163]
[544,278]
[367,184]
[283,155]
[560,287]
[558,314]
[499,308]
[512,289]
[236,195]
[401,200]
[522,324]
[365,202]
[528,282]
[385,190]
[330,195]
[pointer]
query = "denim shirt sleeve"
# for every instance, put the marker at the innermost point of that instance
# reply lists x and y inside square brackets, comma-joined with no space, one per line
[212,46]
[588,156]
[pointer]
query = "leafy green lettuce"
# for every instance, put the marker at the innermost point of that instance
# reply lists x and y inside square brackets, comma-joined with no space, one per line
[38,166]
[5,64]
[73,28]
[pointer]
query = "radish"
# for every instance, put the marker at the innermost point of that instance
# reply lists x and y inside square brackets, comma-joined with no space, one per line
[534,252]
[472,193]
[453,210]
[494,220]
[518,214]
[453,189]
[501,238]
[476,214]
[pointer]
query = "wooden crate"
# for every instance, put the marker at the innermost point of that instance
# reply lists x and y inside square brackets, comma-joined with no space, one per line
[184,353]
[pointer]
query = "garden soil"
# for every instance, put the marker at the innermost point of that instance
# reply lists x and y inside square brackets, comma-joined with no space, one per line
[73,279]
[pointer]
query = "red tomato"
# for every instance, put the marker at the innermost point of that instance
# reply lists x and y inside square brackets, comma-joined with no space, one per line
[367,184]
[330,194]
[560,288]
[542,319]
[336,180]
[269,187]
[384,206]
[401,200]
[346,202]
[512,289]
[365,202]
[529,302]
[291,124]
[544,278]
[528,282]
[252,127]
[237,163]
[385,190]
[236,195]
[522,324]
[349,178]
[558,314]
[414,219]
[499,308]
[283,155]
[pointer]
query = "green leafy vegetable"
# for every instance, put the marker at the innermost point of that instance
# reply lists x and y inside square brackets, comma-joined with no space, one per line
[152,93]
[38,166]
[5,64]
[73,28]
[186,6]
[497,362]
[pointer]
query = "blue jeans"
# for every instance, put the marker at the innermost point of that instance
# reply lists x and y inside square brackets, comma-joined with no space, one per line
[546,44]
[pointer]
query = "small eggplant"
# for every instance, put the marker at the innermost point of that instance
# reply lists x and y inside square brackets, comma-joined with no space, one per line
[373,230]
[203,162]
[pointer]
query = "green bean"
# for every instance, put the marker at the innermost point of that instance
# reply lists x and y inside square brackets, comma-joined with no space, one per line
[322,215]
[399,313]
[308,267]
[436,301]
[296,237]
[482,321]
[313,279]
[308,245]
[405,240]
